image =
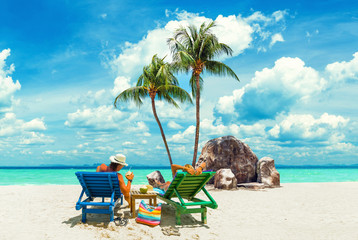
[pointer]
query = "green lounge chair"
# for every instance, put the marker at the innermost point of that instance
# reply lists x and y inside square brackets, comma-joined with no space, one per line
[98,184]
[186,186]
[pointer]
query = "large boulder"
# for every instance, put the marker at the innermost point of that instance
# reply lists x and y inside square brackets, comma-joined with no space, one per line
[154,178]
[225,179]
[229,152]
[267,173]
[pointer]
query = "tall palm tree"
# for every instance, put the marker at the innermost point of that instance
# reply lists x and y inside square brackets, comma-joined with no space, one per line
[157,80]
[194,51]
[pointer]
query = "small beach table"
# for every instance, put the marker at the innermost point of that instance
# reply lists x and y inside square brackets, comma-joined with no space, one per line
[136,194]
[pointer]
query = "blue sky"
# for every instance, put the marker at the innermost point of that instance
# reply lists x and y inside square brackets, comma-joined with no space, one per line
[63,62]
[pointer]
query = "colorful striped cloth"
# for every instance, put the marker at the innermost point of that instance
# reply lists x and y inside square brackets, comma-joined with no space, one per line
[149,215]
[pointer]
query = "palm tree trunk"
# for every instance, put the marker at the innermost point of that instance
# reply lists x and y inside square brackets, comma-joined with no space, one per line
[161,130]
[197,119]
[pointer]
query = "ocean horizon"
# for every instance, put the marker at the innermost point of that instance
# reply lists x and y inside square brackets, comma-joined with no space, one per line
[65,175]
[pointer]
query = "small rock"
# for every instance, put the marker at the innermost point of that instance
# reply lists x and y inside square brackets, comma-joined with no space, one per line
[267,173]
[225,179]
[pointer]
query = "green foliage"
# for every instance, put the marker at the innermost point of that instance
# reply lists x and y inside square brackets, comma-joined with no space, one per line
[157,79]
[194,51]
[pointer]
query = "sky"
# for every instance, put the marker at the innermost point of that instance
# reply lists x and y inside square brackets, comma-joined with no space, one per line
[62,63]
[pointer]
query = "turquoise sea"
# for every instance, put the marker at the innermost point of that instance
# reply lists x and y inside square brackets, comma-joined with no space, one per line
[66,176]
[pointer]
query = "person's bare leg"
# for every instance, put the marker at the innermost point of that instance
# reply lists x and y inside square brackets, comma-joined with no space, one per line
[128,199]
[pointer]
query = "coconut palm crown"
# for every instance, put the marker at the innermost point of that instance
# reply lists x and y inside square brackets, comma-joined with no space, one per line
[156,81]
[194,51]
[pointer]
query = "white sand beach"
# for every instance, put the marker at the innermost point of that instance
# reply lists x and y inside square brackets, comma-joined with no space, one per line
[293,211]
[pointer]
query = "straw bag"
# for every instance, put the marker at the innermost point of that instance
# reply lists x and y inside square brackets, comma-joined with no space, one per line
[149,215]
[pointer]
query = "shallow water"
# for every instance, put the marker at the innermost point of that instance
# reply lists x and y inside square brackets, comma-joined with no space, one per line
[67,176]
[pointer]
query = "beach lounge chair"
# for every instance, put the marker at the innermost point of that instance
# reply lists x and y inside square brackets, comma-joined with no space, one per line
[186,186]
[98,184]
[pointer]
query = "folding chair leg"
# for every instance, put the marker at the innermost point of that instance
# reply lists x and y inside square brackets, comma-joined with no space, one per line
[203,215]
[177,215]
[84,214]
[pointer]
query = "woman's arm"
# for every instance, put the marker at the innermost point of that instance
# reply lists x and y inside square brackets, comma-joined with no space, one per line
[125,189]
[199,169]
[176,167]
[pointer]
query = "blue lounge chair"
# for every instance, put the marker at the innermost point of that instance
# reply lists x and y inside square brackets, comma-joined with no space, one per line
[186,186]
[98,184]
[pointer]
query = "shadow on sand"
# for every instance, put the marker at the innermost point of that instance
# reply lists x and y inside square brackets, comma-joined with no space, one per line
[98,220]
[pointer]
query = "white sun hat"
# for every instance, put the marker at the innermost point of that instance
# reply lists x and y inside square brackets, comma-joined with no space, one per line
[119,158]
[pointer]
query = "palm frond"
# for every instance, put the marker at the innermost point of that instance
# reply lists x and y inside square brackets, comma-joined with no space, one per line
[134,93]
[219,68]
[175,92]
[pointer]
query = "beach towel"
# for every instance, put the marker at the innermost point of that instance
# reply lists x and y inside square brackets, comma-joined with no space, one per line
[159,191]
[149,215]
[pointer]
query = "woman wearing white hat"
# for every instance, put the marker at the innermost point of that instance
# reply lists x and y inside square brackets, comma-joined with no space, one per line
[117,163]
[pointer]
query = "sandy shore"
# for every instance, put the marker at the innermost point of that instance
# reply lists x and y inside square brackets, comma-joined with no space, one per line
[294,211]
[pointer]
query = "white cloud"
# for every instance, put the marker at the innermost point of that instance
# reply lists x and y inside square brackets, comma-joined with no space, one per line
[7,86]
[135,55]
[264,25]
[127,143]
[235,31]
[93,99]
[183,137]
[167,111]
[104,149]
[49,152]
[181,149]
[120,84]
[11,126]
[174,125]
[209,128]
[276,38]
[272,90]
[258,129]
[305,128]
[226,103]
[100,118]
[342,71]
[82,145]
[257,17]
[34,125]
[139,127]
[279,15]
[35,138]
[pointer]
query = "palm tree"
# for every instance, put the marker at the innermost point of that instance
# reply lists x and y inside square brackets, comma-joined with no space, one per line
[157,80]
[194,51]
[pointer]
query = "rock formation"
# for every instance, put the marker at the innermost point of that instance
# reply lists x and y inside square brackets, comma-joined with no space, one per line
[229,152]
[155,176]
[225,179]
[267,173]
